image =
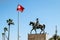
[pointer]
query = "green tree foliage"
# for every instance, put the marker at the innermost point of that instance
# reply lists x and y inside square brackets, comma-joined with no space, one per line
[52,38]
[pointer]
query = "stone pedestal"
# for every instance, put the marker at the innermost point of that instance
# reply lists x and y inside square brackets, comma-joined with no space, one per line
[36,36]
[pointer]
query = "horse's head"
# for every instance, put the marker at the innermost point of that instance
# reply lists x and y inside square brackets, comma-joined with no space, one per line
[31,23]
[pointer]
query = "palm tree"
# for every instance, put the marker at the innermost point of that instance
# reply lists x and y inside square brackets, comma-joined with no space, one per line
[5,29]
[10,22]
[3,36]
[53,37]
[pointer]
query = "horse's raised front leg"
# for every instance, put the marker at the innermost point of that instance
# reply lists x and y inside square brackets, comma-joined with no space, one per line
[31,31]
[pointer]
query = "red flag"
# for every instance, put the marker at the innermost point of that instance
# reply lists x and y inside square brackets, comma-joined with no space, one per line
[20,8]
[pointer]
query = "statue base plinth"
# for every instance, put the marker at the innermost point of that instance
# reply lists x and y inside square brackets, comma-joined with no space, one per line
[36,36]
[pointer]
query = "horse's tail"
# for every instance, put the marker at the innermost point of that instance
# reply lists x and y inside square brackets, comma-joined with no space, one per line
[44,26]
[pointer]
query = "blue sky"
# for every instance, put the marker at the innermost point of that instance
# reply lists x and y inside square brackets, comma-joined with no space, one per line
[48,12]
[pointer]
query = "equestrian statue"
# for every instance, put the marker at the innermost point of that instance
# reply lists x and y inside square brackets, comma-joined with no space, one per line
[36,25]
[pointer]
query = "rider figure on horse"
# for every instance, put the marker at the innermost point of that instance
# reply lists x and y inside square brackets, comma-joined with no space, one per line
[37,22]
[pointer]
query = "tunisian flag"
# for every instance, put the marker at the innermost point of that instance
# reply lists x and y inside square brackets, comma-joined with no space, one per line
[20,8]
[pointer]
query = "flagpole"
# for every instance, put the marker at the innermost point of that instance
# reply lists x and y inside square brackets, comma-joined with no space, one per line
[18,25]
[19,8]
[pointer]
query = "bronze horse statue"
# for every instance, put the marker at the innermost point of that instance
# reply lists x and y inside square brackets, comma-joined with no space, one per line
[39,26]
